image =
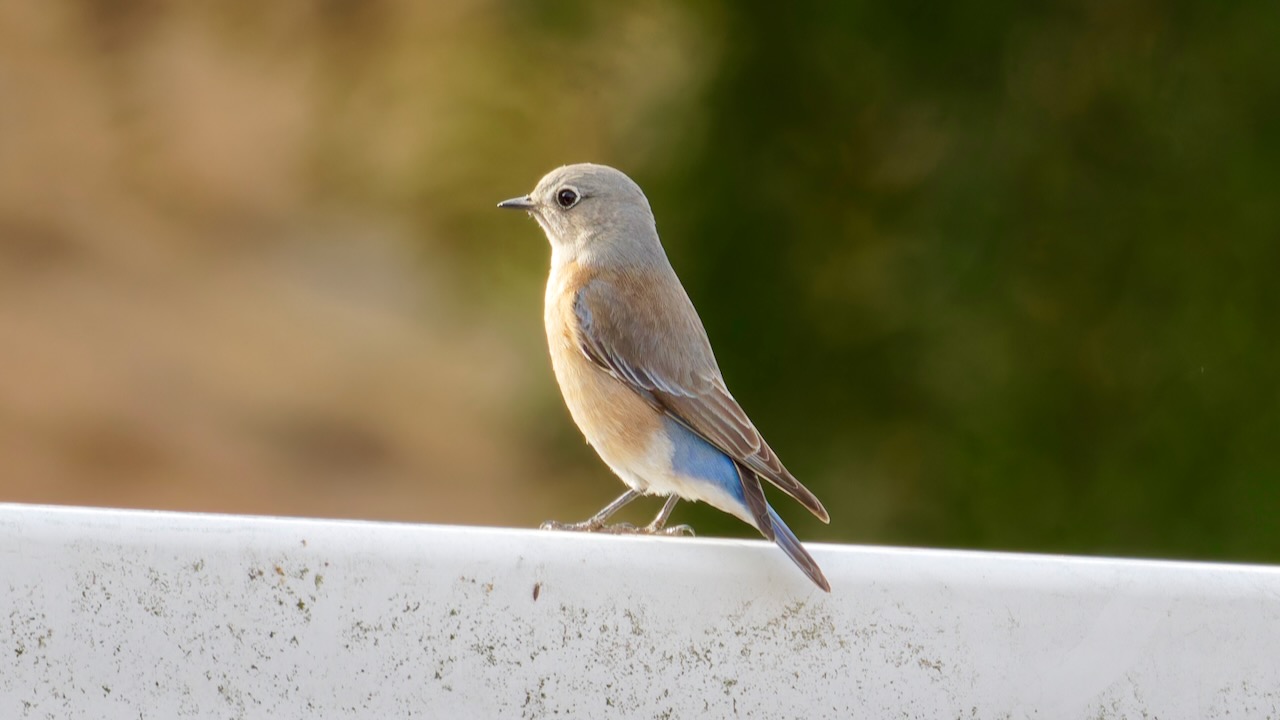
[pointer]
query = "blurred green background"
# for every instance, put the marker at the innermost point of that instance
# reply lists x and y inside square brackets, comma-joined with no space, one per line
[992,276]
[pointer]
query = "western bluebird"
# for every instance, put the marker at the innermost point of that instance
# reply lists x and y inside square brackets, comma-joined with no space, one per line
[636,368]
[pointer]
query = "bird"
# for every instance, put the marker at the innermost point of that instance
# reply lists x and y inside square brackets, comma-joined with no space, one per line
[636,368]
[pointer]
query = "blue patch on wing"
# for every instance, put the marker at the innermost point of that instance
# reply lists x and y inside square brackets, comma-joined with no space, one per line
[697,458]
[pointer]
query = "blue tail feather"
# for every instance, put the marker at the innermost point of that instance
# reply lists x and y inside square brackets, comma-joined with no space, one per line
[791,546]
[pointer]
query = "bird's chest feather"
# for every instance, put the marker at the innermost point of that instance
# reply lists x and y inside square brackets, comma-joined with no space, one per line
[621,426]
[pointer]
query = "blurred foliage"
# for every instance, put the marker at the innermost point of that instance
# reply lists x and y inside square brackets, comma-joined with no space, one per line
[997,275]
[1007,270]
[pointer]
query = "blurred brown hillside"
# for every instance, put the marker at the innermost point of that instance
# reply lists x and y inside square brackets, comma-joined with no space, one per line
[229,241]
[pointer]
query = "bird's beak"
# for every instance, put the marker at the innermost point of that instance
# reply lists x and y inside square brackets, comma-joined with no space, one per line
[519,203]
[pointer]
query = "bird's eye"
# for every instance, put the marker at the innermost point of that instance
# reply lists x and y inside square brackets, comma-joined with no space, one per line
[567,198]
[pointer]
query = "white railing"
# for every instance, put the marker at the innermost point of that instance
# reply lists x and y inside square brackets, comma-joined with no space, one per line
[126,614]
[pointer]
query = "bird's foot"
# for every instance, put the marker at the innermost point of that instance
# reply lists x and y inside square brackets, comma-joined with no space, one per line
[584,526]
[673,531]
[593,526]
[619,528]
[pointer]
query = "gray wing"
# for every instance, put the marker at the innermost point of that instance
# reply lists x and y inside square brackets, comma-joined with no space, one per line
[664,356]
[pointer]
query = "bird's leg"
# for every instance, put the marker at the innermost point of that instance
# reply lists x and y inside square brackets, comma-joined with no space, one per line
[596,522]
[659,524]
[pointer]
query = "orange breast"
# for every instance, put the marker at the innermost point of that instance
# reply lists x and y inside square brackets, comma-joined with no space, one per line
[615,420]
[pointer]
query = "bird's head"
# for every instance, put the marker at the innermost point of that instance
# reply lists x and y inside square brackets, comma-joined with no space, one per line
[589,209]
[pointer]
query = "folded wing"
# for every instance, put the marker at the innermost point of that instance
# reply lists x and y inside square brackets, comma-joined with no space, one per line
[660,350]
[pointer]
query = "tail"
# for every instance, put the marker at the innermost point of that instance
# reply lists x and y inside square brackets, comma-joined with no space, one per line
[791,546]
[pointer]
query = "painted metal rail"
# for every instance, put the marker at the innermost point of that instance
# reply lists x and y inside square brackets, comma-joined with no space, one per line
[130,614]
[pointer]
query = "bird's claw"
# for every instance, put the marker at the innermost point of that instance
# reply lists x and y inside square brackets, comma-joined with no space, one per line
[619,528]
[588,526]
[673,531]
[584,526]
